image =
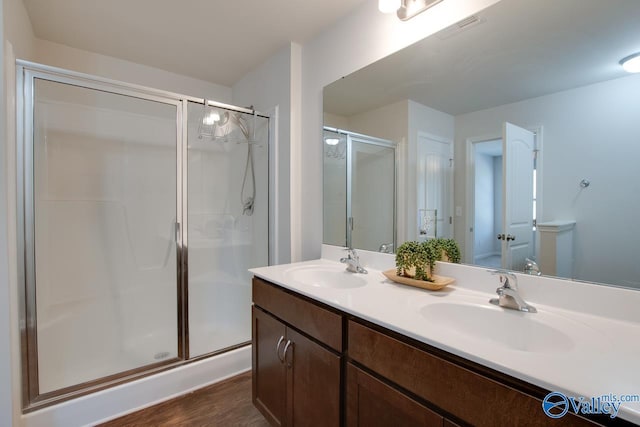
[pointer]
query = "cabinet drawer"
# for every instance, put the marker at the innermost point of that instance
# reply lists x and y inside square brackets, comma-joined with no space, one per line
[467,395]
[320,323]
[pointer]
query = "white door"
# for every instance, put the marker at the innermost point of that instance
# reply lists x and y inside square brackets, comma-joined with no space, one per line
[434,174]
[518,147]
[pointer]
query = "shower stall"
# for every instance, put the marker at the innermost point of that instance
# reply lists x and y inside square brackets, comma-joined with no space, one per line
[140,212]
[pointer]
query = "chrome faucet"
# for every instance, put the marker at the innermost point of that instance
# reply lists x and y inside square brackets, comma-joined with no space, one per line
[508,296]
[531,267]
[353,262]
[386,248]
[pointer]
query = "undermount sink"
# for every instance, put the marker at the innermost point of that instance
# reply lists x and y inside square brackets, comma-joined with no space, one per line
[325,276]
[508,329]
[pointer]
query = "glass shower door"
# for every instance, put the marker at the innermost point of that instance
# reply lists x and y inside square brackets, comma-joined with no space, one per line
[334,188]
[372,183]
[104,192]
[227,223]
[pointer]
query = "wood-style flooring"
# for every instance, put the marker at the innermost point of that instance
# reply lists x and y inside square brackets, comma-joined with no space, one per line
[227,403]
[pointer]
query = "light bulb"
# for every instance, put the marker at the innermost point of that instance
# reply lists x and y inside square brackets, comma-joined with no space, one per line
[389,6]
[631,63]
[211,118]
[332,141]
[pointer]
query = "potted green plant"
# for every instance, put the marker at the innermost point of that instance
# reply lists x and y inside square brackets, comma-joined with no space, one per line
[417,260]
[450,251]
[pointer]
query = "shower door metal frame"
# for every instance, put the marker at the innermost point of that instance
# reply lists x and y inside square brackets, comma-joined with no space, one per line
[27,73]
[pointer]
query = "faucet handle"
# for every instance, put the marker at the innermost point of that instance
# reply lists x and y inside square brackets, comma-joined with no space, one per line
[351,252]
[510,280]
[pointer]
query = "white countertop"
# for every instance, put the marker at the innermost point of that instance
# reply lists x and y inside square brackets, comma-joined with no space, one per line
[599,356]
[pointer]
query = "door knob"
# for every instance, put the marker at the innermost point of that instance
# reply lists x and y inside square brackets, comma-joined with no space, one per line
[500,236]
[510,237]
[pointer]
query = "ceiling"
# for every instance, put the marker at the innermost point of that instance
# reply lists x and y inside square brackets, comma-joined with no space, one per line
[214,40]
[517,49]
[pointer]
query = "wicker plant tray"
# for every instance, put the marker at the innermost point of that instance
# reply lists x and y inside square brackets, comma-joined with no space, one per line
[438,283]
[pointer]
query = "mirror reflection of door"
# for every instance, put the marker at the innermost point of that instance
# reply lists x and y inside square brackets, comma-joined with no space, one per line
[503,205]
[434,187]
[518,148]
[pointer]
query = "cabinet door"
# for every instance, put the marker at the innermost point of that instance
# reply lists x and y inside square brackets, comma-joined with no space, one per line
[313,376]
[269,373]
[372,403]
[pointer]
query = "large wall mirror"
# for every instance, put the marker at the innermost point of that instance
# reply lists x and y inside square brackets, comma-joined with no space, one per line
[517,134]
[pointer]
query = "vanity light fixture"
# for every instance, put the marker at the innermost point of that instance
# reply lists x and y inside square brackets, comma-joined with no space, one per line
[405,9]
[389,6]
[631,63]
[332,141]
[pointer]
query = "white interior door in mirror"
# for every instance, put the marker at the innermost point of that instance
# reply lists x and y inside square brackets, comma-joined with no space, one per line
[518,147]
[434,175]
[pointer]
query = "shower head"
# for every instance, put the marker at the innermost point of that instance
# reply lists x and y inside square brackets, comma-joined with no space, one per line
[223,118]
[214,122]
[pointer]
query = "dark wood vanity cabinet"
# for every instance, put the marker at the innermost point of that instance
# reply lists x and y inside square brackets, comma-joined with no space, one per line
[461,391]
[269,372]
[372,403]
[341,370]
[296,375]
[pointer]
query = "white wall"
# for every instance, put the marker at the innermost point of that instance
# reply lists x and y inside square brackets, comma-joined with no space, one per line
[429,120]
[387,122]
[61,56]
[335,121]
[589,132]
[270,88]
[17,40]
[362,37]
[18,30]
[6,401]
